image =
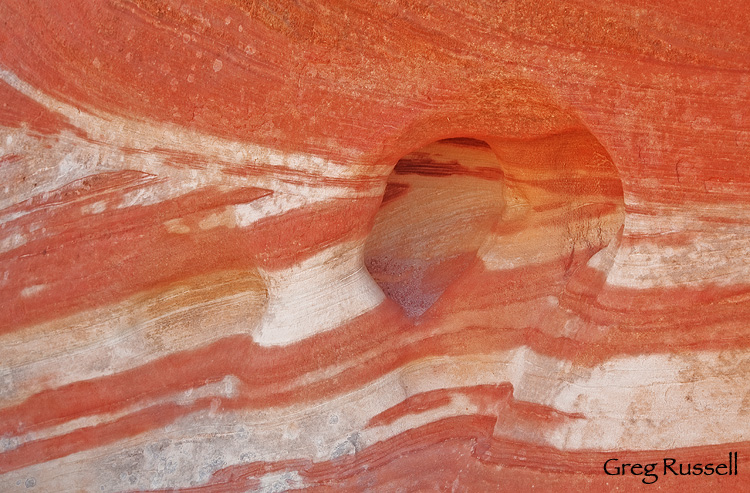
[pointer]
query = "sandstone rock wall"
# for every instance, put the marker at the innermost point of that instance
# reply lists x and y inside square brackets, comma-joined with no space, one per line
[372,246]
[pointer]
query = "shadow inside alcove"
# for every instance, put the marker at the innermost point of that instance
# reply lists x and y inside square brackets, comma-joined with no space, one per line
[439,205]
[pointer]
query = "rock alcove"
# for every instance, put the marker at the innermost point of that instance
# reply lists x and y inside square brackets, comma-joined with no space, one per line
[505,202]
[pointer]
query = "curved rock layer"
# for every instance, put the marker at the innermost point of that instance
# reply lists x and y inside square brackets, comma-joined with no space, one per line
[373,246]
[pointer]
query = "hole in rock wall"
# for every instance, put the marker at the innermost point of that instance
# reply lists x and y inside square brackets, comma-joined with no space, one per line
[440,204]
[552,201]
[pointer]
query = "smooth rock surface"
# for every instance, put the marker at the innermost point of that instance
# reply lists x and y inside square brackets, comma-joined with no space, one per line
[373,245]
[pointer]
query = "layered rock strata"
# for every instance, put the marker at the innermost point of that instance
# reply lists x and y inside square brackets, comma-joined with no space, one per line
[373,246]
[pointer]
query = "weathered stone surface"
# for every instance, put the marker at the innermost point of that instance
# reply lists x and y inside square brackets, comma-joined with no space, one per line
[372,246]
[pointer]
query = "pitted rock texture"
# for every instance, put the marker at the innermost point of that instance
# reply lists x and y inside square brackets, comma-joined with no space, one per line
[372,246]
